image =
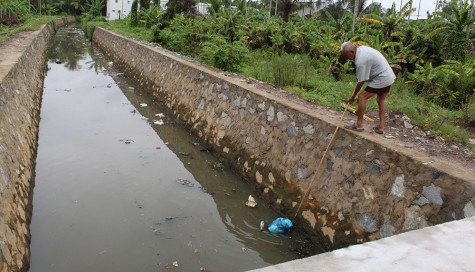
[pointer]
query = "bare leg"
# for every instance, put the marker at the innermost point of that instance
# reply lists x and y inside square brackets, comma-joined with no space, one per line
[382,109]
[362,98]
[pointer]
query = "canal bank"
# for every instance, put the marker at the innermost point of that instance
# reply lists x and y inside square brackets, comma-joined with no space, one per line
[22,61]
[368,189]
[426,194]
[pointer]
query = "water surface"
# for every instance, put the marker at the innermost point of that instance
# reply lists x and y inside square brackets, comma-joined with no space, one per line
[117,190]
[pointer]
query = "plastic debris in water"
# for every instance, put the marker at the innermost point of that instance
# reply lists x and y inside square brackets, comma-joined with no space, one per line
[159,122]
[251,202]
[161,115]
[261,227]
[185,182]
[280,225]
[143,105]
[127,141]
[171,265]
[121,75]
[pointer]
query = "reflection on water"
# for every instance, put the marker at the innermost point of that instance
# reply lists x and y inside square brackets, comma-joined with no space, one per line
[68,48]
[117,190]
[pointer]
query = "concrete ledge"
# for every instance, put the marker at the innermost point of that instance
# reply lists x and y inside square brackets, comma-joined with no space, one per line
[445,247]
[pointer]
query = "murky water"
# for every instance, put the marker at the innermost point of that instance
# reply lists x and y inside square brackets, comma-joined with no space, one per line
[118,191]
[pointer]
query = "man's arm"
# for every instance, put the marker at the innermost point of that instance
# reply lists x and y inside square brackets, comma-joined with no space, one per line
[355,92]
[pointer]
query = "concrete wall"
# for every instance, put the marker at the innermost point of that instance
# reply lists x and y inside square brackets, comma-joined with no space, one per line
[22,63]
[367,189]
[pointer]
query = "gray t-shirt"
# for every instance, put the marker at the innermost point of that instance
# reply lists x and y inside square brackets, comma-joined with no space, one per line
[372,67]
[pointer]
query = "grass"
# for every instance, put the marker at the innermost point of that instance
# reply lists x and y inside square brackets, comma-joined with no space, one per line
[30,24]
[122,27]
[322,89]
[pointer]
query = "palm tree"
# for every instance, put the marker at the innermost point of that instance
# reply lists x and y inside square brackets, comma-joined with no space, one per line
[214,6]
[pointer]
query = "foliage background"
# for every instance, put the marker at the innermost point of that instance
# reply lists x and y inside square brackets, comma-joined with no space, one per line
[434,58]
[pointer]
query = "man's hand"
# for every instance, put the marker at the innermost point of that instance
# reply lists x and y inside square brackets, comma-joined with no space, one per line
[351,100]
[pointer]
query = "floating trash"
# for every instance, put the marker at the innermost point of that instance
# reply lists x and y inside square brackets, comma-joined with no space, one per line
[261,227]
[144,118]
[171,265]
[143,105]
[280,225]
[251,202]
[110,63]
[121,75]
[161,115]
[185,182]
[158,122]
[157,231]
[128,141]
[58,62]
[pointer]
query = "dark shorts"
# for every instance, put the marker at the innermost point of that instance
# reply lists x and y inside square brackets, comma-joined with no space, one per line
[378,91]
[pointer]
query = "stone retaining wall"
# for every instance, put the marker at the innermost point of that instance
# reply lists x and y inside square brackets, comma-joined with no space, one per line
[22,64]
[366,190]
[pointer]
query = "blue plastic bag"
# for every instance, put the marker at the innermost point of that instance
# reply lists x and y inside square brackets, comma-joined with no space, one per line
[280,226]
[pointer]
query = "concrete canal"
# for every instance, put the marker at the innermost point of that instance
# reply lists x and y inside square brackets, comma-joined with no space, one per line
[121,186]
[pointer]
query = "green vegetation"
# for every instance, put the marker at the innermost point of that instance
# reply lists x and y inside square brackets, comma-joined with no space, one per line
[433,58]
[29,24]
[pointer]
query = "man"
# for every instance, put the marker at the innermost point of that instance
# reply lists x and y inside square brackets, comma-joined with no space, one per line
[373,68]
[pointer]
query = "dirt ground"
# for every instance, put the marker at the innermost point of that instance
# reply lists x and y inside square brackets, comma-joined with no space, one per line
[398,131]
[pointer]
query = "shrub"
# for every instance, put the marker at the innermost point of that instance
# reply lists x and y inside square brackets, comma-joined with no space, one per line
[223,55]
[291,70]
[468,111]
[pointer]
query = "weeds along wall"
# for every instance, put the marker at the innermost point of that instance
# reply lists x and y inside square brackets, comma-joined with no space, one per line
[366,190]
[22,66]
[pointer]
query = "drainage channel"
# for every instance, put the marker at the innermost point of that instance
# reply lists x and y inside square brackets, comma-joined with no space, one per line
[120,186]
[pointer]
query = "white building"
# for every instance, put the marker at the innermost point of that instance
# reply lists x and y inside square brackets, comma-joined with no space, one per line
[118,9]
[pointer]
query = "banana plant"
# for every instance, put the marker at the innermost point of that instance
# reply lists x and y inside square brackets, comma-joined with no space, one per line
[390,20]
[451,24]
[342,26]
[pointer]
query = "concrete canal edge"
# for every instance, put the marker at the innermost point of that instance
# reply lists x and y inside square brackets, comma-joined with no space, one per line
[21,86]
[368,189]
[444,247]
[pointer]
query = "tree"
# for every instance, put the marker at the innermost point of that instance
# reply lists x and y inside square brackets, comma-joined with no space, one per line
[95,7]
[134,16]
[391,19]
[451,23]
[144,4]
[214,6]
[185,7]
